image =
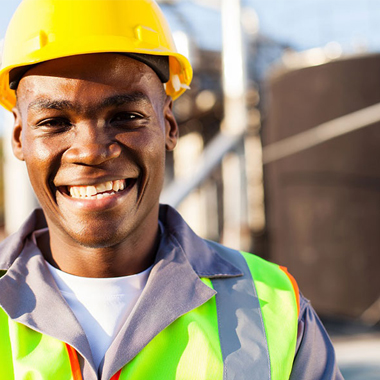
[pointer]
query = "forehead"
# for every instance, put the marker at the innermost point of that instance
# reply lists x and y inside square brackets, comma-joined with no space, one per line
[93,74]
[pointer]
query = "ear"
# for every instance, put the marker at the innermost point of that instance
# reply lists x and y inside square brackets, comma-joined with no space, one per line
[17,135]
[171,126]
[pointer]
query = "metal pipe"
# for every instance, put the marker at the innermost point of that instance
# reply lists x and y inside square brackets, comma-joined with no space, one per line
[210,159]
[322,133]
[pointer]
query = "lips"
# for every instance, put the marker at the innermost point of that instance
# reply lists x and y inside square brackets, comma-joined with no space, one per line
[101,190]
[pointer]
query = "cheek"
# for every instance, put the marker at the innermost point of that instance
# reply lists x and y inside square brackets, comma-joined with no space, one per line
[155,154]
[40,156]
[147,149]
[149,154]
[39,150]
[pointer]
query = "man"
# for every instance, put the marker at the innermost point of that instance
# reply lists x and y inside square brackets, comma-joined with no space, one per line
[103,282]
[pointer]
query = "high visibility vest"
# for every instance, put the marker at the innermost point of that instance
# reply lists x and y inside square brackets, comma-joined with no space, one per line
[247,331]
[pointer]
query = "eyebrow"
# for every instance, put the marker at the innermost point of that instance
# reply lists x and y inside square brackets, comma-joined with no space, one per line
[41,104]
[65,105]
[119,100]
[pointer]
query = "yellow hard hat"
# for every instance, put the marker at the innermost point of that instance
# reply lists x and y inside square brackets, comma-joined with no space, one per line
[41,30]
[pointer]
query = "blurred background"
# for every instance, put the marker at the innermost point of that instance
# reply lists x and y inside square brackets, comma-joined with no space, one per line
[279,151]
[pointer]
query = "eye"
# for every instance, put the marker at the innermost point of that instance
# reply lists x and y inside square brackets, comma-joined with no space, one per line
[57,124]
[123,118]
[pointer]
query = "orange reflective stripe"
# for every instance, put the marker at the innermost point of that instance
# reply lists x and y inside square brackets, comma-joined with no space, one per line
[295,286]
[116,376]
[74,362]
[75,368]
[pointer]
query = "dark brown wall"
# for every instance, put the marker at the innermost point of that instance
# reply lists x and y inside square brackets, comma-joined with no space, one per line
[323,204]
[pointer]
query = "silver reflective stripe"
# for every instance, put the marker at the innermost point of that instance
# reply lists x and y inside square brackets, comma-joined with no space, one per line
[241,329]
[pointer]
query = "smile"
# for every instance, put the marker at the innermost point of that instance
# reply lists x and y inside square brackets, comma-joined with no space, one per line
[101,190]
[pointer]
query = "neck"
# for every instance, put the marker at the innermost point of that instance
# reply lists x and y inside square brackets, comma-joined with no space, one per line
[131,256]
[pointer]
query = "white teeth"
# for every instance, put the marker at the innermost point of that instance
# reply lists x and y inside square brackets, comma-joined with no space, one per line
[90,191]
[116,185]
[101,187]
[99,191]
[76,192]
[82,191]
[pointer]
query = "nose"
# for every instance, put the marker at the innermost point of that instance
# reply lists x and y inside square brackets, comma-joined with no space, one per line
[92,146]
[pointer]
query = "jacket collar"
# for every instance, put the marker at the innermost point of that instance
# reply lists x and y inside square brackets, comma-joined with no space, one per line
[204,260]
[12,246]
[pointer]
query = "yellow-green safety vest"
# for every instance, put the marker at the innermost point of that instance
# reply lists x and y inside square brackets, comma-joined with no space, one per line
[225,338]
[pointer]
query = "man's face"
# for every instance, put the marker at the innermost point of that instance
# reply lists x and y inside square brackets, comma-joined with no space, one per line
[93,131]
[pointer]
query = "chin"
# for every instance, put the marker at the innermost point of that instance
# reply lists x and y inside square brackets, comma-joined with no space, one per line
[97,242]
[101,237]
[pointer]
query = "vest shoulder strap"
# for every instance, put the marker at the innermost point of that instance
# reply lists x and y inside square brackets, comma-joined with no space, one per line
[279,300]
[241,329]
[268,327]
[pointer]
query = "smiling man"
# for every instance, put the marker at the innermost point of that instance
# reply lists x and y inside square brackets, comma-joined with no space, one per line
[94,147]
[102,282]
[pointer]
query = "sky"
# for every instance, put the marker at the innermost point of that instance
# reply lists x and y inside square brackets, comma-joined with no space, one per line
[7,8]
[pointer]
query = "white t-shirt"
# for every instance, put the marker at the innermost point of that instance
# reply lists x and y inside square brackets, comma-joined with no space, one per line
[101,305]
